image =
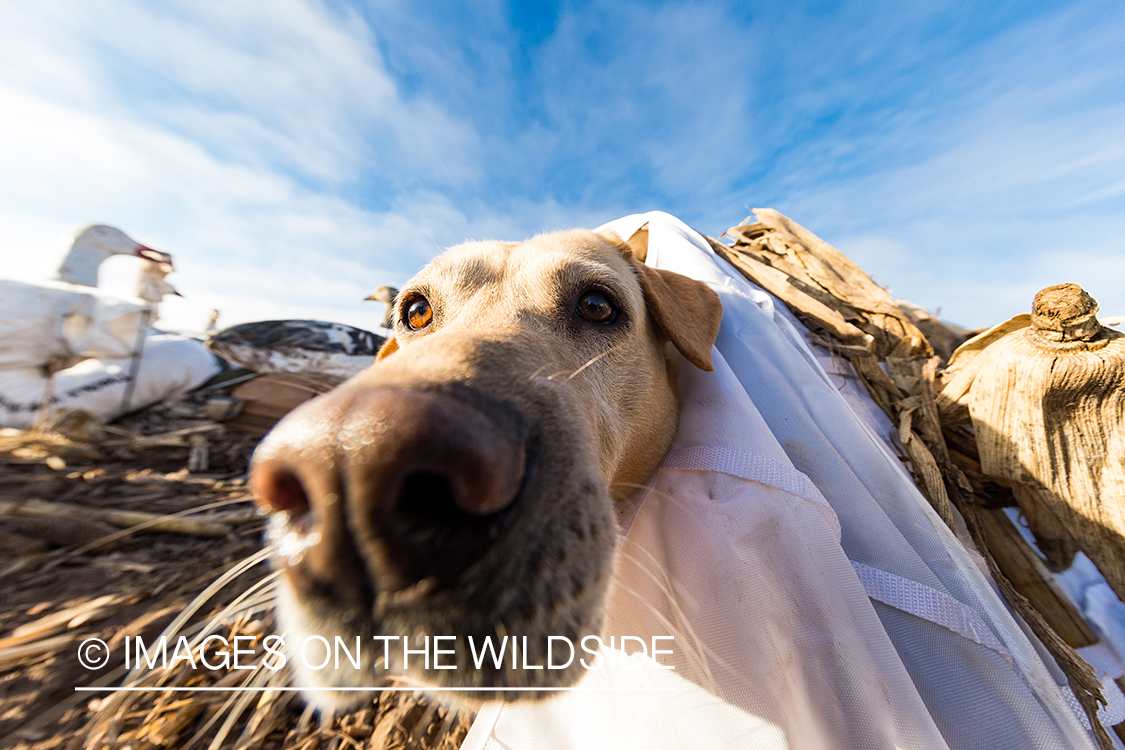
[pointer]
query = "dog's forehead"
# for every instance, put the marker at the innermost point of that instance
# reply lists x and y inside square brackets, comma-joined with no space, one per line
[548,259]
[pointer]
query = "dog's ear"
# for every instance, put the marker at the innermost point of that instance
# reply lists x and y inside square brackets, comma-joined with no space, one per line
[689,311]
[638,243]
[389,347]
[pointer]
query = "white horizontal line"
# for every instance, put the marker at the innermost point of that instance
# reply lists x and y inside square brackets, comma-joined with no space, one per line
[361,689]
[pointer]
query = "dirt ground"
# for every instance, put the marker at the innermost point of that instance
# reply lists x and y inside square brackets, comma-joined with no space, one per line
[68,572]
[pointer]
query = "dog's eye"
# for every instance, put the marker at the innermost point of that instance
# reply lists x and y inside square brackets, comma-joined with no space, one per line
[419,314]
[596,308]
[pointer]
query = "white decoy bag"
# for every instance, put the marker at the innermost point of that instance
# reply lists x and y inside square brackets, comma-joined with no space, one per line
[92,337]
[56,321]
[815,599]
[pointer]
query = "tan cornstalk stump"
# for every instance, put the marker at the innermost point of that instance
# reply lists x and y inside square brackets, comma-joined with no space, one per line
[1046,396]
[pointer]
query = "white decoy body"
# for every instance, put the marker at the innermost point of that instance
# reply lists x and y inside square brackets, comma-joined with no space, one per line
[65,341]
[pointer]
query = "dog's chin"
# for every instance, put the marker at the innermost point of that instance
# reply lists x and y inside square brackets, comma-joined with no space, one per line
[330,688]
[465,621]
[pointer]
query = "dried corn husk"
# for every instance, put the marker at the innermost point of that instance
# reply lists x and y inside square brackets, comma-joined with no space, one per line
[1046,395]
[823,288]
[943,336]
[853,316]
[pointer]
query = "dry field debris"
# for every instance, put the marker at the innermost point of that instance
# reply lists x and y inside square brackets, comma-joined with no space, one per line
[108,533]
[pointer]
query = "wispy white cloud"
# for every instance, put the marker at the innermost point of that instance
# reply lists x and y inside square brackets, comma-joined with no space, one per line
[1001,177]
[288,81]
[230,136]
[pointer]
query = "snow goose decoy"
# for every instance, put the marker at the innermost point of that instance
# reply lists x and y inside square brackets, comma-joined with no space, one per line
[95,243]
[65,345]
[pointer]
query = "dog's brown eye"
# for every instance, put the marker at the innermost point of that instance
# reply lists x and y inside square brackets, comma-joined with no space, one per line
[419,314]
[596,308]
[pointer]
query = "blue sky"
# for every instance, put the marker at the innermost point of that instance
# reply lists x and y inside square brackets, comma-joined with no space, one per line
[295,154]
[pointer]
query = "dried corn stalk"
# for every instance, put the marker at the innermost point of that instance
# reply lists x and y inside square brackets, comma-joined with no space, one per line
[825,290]
[1046,396]
[852,315]
[943,336]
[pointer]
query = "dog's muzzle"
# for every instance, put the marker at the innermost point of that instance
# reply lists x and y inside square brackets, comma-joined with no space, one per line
[384,495]
[438,509]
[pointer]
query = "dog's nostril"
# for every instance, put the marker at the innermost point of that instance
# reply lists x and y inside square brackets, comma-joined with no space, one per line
[279,490]
[427,497]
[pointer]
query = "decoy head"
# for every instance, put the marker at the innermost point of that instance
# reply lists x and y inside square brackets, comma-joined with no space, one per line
[386,295]
[93,244]
[383,294]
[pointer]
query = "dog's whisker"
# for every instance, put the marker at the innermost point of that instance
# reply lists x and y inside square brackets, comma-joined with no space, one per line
[176,624]
[440,249]
[638,486]
[661,581]
[268,583]
[656,572]
[610,350]
[535,374]
[113,710]
[142,526]
[204,731]
[258,677]
[651,489]
[702,656]
[571,374]
[695,659]
[664,584]
[666,589]
[670,498]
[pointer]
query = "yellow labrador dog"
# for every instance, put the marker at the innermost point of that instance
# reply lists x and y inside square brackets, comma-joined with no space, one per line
[463,486]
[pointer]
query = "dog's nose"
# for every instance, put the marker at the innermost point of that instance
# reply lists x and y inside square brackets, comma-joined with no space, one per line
[407,485]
